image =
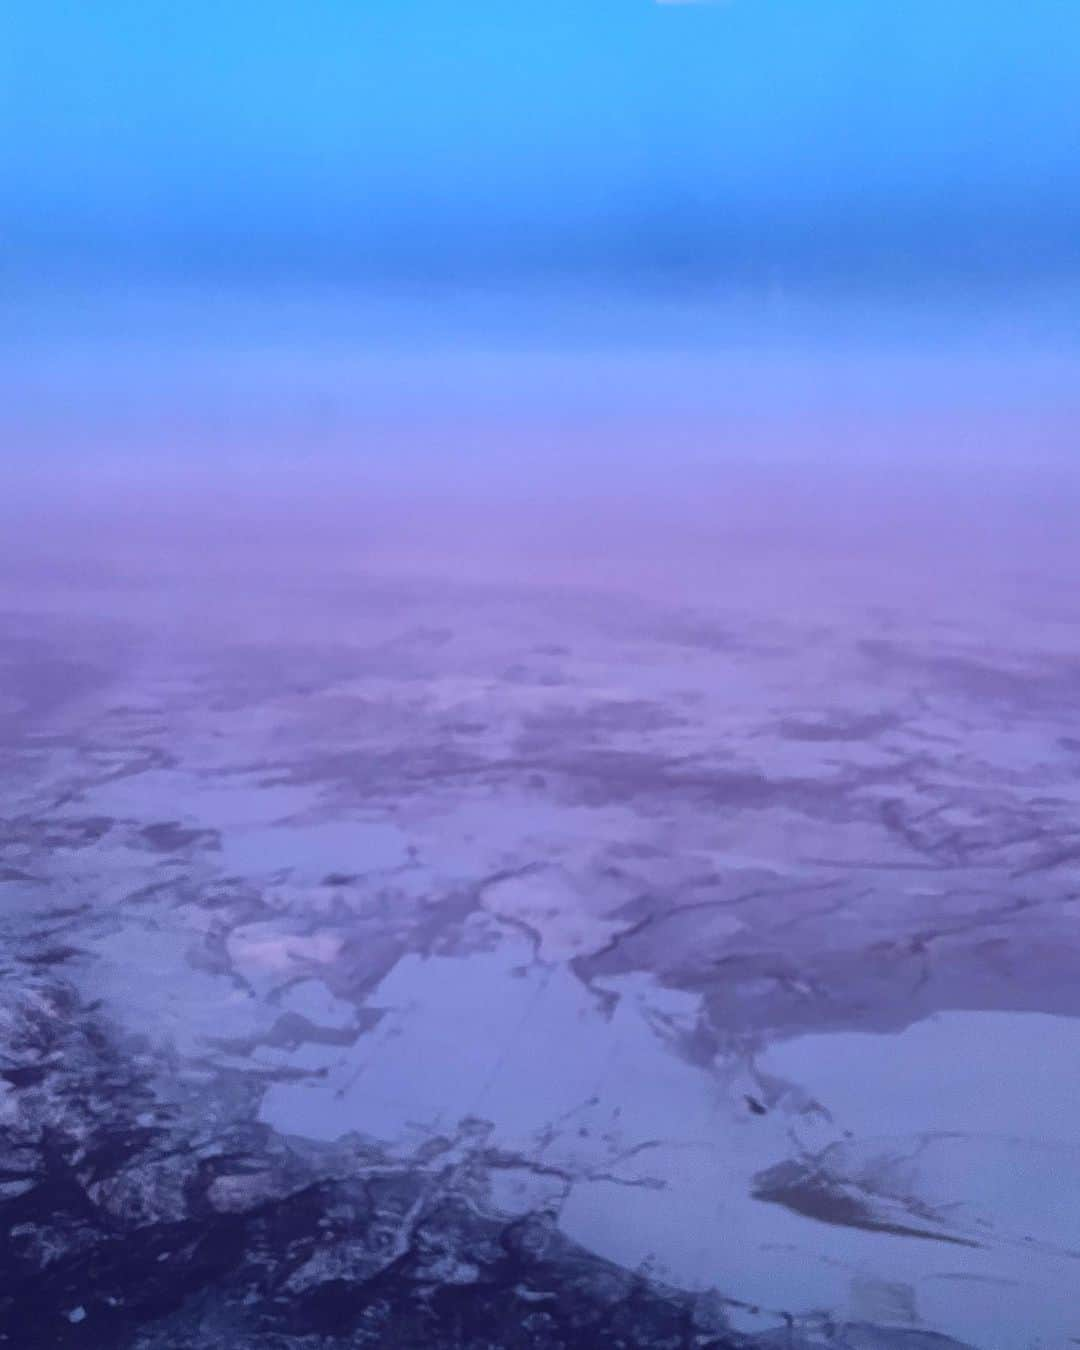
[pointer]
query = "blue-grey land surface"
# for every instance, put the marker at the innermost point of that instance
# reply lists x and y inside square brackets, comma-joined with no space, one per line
[469,967]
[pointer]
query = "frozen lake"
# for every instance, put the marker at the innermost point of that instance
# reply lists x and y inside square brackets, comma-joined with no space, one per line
[545,951]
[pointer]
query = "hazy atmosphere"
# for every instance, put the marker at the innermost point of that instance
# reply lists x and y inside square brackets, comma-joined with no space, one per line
[539,675]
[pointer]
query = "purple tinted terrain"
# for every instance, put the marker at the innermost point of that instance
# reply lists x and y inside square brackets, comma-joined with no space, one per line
[428,963]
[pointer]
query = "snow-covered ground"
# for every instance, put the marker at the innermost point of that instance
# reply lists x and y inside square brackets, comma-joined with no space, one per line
[743,950]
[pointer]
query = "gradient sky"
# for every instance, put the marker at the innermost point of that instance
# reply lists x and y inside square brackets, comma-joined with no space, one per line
[885,140]
[583,251]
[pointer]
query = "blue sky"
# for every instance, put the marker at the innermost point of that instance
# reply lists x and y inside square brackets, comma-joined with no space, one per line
[539,246]
[889,142]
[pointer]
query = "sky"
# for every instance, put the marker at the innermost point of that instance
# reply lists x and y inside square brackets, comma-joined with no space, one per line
[880,143]
[521,245]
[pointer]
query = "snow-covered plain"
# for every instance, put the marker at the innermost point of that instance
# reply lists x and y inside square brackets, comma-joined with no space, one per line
[742,950]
